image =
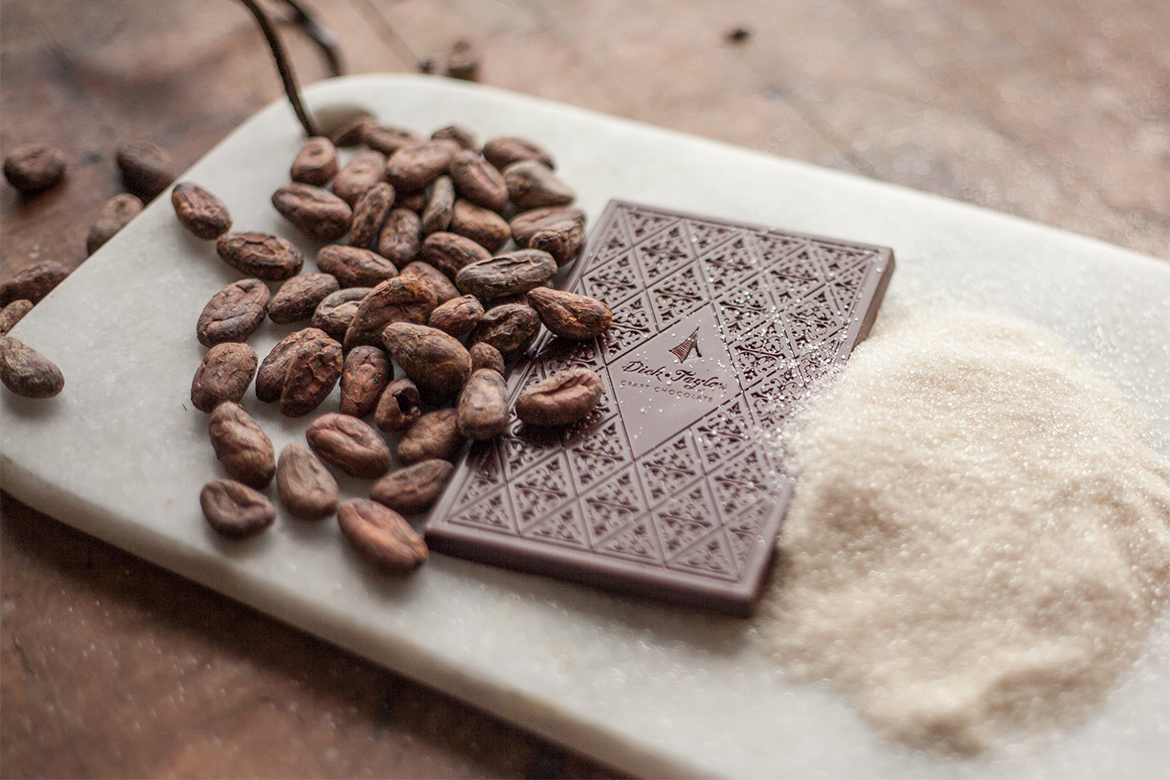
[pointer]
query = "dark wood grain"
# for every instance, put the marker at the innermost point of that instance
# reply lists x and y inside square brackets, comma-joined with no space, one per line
[1057,111]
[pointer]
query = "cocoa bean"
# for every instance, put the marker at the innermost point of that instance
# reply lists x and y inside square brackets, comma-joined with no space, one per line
[486,356]
[561,240]
[369,214]
[315,211]
[458,316]
[413,168]
[366,373]
[561,399]
[33,168]
[115,215]
[12,314]
[502,152]
[234,509]
[511,328]
[306,488]
[405,298]
[381,536]
[299,297]
[460,135]
[412,489]
[512,273]
[350,444]
[315,163]
[262,255]
[399,406]
[483,226]
[388,139]
[202,213]
[450,252]
[444,288]
[27,372]
[234,313]
[532,184]
[223,375]
[440,205]
[438,363]
[274,368]
[311,374]
[526,224]
[434,435]
[33,283]
[570,315]
[352,133]
[241,446]
[366,169]
[147,169]
[482,412]
[335,314]
[401,237]
[478,180]
[413,201]
[355,267]
[463,61]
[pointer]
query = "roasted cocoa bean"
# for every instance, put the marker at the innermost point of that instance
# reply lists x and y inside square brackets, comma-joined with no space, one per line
[274,368]
[350,444]
[234,313]
[335,314]
[366,169]
[510,327]
[458,316]
[434,435]
[569,315]
[355,267]
[405,298]
[224,375]
[442,285]
[310,376]
[413,201]
[463,61]
[413,168]
[440,205]
[234,509]
[460,135]
[366,373]
[388,139]
[33,168]
[478,180]
[306,488]
[482,412]
[33,283]
[147,169]
[532,185]
[299,297]
[502,152]
[450,252]
[412,489]
[399,406]
[486,356]
[115,215]
[381,536]
[315,163]
[561,399]
[242,447]
[12,314]
[27,372]
[562,240]
[438,363]
[483,226]
[528,223]
[369,214]
[315,211]
[512,273]
[352,133]
[262,255]
[202,213]
[401,237]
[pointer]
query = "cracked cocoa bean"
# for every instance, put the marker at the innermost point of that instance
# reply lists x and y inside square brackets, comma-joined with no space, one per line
[234,313]
[299,297]
[512,273]
[399,406]
[405,298]
[223,375]
[315,163]
[262,255]
[203,214]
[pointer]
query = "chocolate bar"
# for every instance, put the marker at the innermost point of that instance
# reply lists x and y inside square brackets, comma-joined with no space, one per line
[666,490]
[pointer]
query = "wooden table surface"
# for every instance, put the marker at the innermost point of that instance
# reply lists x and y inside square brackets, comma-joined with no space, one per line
[1053,110]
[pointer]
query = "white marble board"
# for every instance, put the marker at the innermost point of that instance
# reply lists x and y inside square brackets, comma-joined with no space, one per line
[122,455]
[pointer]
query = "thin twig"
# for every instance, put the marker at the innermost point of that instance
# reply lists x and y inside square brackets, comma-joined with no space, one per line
[321,35]
[284,66]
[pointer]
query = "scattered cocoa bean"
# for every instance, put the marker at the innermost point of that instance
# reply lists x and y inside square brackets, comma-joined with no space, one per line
[147,169]
[450,252]
[532,185]
[512,273]
[299,297]
[355,267]
[306,488]
[444,288]
[381,536]
[482,412]
[413,201]
[388,139]
[33,168]
[563,398]
[352,133]
[234,509]
[561,240]
[440,205]
[458,316]
[434,435]
[33,283]
[224,375]
[366,169]
[502,152]
[310,376]
[315,211]
[115,215]
[459,135]
[350,444]
[438,363]
[27,372]
[413,489]
[315,163]
[528,223]
[234,313]
[413,168]
[478,180]
[202,213]
[369,214]
[570,315]
[405,298]
[262,255]
[483,226]
[510,327]
[366,373]
[463,61]
[335,314]
[12,314]
[273,370]
[401,237]
[241,446]
[399,406]
[484,355]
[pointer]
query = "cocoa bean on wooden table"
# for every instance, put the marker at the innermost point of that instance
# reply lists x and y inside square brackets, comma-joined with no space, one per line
[350,444]
[381,536]
[12,314]
[306,488]
[34,282]
[234,509]
[115,215]
[33,168]
[414,488]
[147,168]
[224,375]
[202,213]
[242,447]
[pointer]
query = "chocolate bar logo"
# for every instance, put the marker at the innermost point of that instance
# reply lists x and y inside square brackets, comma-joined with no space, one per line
[683,350]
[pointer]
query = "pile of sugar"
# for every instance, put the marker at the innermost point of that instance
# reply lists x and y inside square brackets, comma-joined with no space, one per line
[979,541]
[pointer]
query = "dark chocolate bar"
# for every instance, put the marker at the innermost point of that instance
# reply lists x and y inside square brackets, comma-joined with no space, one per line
[666,490]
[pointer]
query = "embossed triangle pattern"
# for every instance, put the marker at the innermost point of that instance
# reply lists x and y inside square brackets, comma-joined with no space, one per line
[704,505]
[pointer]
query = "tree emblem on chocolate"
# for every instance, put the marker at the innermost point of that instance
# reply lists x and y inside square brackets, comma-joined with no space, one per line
[689,344]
